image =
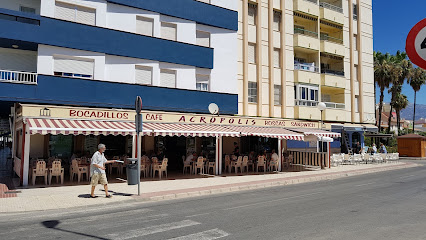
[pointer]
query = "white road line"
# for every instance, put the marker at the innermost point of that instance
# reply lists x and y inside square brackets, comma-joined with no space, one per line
[408,176]
[206,235]
[196,215]
[365,184]
[271,201]
[152,230]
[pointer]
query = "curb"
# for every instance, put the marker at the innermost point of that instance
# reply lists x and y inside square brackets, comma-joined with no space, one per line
[220,189]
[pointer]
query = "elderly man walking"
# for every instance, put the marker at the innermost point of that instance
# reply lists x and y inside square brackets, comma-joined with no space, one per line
[97,170]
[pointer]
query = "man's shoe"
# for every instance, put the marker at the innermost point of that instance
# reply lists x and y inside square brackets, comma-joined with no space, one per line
[93,196]
[109,196]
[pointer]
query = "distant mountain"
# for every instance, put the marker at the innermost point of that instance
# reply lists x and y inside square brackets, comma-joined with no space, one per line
[408,112]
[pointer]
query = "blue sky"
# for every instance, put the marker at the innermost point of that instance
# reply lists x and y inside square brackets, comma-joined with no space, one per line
[392,20]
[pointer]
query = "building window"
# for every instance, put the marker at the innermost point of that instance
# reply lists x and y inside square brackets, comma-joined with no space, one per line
[252,14]
[144,26]
[355,42]
[356,72]
[276,26]
[252,92]
[27,9]
[277,94]
[75,13]
[355,9]
[168,78]
[168,31]
[252,53]
[143,75]
[356,103]
[69,67]
[203,38]
[325,98]
[277,57]
[203,82]
[306,95]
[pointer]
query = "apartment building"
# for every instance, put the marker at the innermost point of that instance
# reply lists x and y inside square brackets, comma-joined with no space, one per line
[294,54]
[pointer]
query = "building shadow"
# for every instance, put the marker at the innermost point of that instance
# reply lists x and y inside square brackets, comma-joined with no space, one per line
[53,224]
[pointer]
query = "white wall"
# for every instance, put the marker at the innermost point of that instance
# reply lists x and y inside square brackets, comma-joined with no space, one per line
[229,4]
[15,4]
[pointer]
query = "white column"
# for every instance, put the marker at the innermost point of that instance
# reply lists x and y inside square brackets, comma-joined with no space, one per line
[280,154]
[26,156]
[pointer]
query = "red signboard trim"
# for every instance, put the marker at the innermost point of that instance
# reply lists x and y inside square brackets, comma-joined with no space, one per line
[410,44]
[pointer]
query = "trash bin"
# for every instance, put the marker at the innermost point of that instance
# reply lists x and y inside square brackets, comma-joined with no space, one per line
[132,171]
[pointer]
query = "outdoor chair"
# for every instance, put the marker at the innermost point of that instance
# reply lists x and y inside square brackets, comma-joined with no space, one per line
[227,163]
[347,159]
[154,163]
[261,163]
[199,165]
[161,168]
[56,171]
[289,161]
[115,165]
[40,171]
[237,165]
[273,166]
[143,168]
[212,165]
[357,159]
[377,158]
[336,159]
[245,164]
[79,170]
[186,165]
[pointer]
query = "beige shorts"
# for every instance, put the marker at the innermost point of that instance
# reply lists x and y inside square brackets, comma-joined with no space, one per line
[99,178]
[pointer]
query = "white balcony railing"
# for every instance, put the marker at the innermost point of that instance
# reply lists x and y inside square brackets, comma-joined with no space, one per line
[306,103]
[331,7]
[335,105]
[306,67]
[18,77]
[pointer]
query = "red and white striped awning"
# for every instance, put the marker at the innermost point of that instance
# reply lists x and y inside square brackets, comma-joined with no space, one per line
[194,130]
[316,132]
[85,127]
[269,132]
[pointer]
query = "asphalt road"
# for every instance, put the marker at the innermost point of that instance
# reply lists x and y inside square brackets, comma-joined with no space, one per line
[387,205]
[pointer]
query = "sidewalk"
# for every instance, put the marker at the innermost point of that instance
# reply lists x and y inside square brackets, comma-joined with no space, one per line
[36,199]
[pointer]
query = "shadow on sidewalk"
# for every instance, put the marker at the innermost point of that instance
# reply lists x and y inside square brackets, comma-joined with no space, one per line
[52,224]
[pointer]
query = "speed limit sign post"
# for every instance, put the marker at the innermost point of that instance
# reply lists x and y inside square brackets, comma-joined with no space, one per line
[416,44]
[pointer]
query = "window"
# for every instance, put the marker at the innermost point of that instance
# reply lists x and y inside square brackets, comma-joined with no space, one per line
[355,13]
[356,103]
[27,9]
[277,57]
[252,14]
[144,26]
[356,72]
[306,95]
[74,13]
[276,26]
[277,94]
[252,53]
[69,67]
[168,31]
[325,98]
[203,38]
[143,75]
[355,42]
[252,92]
[168,78]
[202,82]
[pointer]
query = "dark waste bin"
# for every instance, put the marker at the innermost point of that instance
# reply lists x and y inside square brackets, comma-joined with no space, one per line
[132,172]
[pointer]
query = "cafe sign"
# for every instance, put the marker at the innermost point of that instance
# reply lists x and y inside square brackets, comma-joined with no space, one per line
[57,112]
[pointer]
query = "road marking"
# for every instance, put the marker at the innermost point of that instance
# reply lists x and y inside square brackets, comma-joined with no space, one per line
[206,235]
[271,201]
[196,215]
[408,176]
[365,184]
[152,230]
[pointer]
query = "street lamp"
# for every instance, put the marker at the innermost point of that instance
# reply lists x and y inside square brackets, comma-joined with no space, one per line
[321,107]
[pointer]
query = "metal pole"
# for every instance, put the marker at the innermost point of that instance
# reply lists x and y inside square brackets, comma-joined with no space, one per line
[139,130]
[321,148]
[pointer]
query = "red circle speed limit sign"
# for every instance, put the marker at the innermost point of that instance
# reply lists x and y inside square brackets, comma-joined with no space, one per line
[416,44]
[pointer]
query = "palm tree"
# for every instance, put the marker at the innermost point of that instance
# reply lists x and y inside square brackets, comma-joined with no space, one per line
[400,69]
[381,78]
[400,102]
[416,79]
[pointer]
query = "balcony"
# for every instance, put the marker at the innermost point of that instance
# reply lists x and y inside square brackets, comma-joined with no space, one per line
[306,40]
[332,78]
[18,77]
[332,45]
[306,6]
[306,110]
[334,113]
[306,73]
[331,13]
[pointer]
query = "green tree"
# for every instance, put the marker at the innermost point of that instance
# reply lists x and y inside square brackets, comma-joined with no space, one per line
[382,78]
[416,79]
[400,102]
